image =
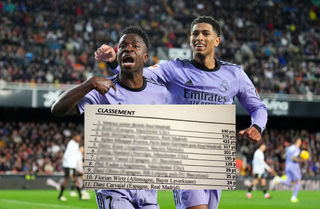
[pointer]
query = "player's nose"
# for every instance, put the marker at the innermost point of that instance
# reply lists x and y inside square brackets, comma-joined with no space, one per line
[199,37]
[129,48]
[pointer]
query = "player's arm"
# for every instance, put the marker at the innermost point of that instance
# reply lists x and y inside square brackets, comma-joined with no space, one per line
[270,170]
[79,165]
[273,172]
[295,157]
[161,73]
[298,160]
[249,99]
[67,102]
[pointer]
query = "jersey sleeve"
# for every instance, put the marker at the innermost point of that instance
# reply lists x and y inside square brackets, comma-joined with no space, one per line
[266,166]
[161,73]
[93,97]
[296,153]
[168,98]
[250,100]
[114,66]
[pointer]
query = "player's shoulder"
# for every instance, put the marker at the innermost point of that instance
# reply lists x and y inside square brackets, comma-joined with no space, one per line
[151,82]
[172,63]
[258,152]
[291,148]
[229,65]
[71,143]
[296,147]
[113,79]
[183,62]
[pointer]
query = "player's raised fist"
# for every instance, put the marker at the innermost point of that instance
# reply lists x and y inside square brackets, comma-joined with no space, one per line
[252,133]
[105,53]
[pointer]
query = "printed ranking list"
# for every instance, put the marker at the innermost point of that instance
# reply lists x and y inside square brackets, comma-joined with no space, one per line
[163,147]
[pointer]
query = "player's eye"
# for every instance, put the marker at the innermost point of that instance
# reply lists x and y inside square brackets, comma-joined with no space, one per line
[135,46]
[121,46]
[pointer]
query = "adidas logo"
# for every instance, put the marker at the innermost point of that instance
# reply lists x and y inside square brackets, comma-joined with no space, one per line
[189,83]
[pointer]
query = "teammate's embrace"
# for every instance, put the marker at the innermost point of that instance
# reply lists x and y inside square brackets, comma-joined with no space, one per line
[203,80]
[259,169]
[128,87]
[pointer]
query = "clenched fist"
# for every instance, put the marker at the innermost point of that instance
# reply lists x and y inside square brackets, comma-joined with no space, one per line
[105,53]
[252,133]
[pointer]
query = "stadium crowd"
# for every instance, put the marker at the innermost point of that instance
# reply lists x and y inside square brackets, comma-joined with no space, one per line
[34,148]
[276,41]
[37,148]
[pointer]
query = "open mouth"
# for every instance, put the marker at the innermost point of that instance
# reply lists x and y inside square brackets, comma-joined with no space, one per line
[128,61]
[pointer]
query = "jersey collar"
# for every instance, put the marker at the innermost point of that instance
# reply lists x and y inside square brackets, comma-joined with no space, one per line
[133,89]
[204,68]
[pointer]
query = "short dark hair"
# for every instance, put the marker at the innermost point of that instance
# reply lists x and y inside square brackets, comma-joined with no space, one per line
[139,31]
[295,139]
[210,20]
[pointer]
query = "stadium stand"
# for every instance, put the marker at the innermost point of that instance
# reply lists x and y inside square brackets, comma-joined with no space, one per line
[34,147]
[54,41]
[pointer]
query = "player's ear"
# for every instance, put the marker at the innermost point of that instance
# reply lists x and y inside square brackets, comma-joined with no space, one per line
[217,41]
[145,57]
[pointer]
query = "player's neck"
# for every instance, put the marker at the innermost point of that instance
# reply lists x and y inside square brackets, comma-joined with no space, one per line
[132,80]
[207,61]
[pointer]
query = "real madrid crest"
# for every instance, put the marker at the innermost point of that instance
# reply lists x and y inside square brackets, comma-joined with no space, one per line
[224,86]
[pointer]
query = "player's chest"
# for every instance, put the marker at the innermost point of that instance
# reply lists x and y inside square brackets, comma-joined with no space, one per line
[122,96]
[214,81]
[205,87]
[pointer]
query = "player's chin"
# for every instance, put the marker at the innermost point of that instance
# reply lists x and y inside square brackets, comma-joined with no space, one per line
[199,52]
[127,69]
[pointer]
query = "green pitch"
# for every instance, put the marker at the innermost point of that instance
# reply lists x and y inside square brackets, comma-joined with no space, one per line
[37,199]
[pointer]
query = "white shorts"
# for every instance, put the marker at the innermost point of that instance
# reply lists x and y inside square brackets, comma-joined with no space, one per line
[260,175]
